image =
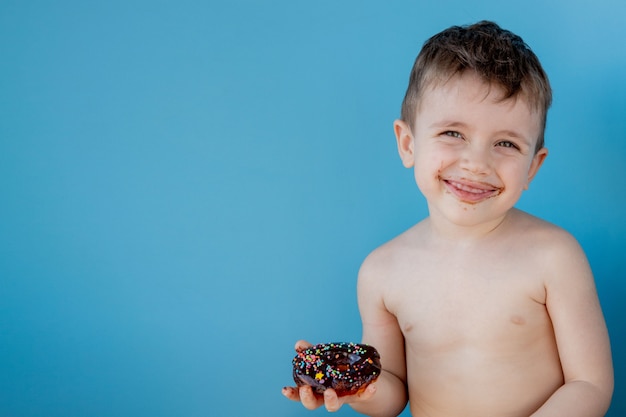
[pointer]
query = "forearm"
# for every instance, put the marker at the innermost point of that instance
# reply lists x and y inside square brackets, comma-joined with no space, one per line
[388,401]
[577,399]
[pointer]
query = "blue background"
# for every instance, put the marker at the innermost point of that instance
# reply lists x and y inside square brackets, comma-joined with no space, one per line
[187,187]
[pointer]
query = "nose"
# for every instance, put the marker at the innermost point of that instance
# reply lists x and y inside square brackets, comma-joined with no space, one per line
[476,160]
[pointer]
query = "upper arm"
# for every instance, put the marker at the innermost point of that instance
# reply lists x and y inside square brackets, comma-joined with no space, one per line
[380,326]
[576,314]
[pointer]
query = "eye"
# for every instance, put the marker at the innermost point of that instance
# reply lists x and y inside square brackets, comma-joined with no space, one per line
[453,134]
[507,144]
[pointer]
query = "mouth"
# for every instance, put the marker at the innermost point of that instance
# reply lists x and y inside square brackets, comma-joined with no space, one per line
[469,191]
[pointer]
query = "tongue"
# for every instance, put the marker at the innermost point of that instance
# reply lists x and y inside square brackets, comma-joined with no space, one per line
[470,194]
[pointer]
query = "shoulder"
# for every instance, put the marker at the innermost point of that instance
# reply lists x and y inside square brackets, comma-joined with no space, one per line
[380,279]
[389,255]
[543,235]
[528,229]
[376,265]
[557,251]
[384,262]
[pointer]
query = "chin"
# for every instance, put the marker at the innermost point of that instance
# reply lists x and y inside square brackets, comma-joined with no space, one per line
[472,214]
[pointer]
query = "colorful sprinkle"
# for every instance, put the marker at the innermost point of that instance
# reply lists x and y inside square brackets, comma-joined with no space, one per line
[346,367]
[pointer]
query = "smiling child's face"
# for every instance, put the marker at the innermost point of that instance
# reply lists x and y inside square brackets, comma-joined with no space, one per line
[473,153]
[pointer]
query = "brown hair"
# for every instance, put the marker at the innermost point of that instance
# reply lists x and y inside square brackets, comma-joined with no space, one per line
[497,55]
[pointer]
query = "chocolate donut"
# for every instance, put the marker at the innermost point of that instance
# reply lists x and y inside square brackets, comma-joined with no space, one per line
[346,367]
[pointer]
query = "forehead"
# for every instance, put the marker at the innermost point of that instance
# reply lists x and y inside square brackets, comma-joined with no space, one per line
[471,99]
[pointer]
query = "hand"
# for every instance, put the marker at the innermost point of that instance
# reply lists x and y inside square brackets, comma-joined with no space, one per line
[330,400]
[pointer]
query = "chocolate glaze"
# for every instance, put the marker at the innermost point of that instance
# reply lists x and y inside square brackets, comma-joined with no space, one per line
[346,367]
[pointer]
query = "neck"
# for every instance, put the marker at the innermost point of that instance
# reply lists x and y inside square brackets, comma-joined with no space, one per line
[442,229]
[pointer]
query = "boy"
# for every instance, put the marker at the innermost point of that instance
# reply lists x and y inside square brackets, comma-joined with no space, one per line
[479,310]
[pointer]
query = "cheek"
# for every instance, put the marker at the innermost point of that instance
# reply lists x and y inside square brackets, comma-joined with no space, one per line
[516,175]
[427,172]
[434,163]
[431,162]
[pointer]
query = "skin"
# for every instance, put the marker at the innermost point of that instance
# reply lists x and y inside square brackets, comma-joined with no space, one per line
[480,309]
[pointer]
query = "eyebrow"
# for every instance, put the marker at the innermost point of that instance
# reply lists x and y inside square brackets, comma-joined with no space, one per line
[447,123]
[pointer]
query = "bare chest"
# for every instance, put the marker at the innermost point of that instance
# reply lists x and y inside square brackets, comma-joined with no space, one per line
[447,302]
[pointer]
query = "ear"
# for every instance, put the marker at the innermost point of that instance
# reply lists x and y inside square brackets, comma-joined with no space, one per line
[404,139]
[536,163]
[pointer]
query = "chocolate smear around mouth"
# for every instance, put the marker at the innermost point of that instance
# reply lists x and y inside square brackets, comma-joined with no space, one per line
[469,194]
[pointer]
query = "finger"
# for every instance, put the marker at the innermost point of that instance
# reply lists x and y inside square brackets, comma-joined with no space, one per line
[331,401]
[368,392]
[291,393]
[302,345]
[365,395]
[309,399]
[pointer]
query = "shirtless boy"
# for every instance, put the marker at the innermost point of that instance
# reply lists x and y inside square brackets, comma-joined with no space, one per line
[479,310]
